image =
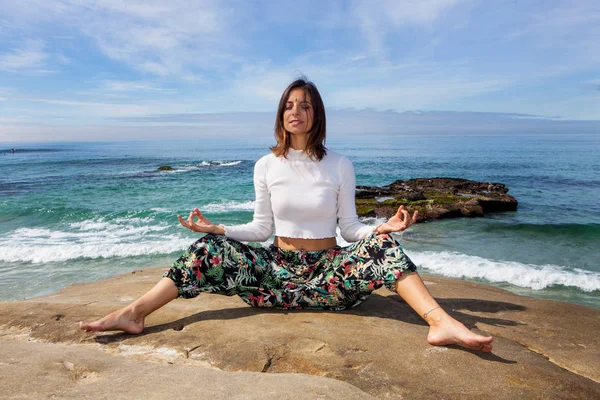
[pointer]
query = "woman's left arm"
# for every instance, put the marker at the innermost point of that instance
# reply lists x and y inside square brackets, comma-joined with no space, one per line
[351,228]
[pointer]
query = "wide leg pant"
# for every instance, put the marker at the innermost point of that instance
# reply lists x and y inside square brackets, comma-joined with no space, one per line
[333,279]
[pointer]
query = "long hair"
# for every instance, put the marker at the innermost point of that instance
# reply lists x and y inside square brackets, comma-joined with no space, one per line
[315,147]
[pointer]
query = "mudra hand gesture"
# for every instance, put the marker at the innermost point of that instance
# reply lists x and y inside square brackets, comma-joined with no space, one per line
[398,222]
[202,225]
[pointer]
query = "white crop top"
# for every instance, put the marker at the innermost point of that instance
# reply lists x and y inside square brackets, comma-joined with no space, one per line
[304,198]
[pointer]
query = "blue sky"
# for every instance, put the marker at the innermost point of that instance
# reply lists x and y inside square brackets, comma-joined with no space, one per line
[72,69]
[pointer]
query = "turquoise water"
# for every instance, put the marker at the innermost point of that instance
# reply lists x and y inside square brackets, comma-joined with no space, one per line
[72,212]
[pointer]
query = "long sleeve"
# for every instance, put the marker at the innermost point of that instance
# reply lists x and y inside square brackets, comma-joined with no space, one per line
[351,228]
[259,230]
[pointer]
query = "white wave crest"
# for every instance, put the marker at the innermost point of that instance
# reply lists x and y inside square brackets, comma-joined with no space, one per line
[96,238]
[536,277]
[219,163]
[202,164]
[161,210]
[123,226]
[228,206]
[229,164]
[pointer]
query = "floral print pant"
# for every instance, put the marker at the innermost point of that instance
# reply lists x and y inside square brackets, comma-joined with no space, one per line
[333,279]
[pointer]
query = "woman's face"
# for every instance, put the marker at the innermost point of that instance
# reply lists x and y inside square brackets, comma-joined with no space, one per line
[298,114]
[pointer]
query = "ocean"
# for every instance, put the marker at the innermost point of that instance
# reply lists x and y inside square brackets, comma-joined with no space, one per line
[82,211]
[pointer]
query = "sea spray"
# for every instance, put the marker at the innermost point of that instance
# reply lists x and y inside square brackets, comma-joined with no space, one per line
[531,276]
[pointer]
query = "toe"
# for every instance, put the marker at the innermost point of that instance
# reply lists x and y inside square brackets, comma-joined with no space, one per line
[486,339]
[486,348]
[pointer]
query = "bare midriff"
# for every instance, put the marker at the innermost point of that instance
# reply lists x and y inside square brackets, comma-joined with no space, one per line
[286,243]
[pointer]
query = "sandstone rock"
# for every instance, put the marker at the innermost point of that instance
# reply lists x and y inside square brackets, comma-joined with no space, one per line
[542,349]
[33,370]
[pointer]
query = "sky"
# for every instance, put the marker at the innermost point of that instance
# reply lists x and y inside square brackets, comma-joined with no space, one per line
[119,69]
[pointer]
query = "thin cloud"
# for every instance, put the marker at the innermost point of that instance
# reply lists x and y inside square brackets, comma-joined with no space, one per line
[30,57]
[407,95]
[340,124]
[594,83]
[132,86]
[168,39]
[376,23]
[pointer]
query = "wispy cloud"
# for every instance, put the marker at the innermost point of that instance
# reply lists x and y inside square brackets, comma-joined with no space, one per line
[30,57]
[341,123]
[176,38]
[377,22]
[132,86]
[179,38]
[408,96]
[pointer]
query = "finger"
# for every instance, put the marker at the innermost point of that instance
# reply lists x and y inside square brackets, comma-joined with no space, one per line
[191,218]
[399,212]
[182,221]
[415,215]
[187,225]
[406,216]
[202,218]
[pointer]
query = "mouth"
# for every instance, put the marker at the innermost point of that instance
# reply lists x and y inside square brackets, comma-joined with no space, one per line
[295,122]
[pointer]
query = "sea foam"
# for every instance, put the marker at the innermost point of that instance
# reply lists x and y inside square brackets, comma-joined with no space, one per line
[94,238]
[127,237]
[228,206]
[536,277]
[195,167]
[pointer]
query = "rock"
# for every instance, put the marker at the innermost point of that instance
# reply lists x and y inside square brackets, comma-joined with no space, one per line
[33,370]
[165,168]
[219,347]
[434,198]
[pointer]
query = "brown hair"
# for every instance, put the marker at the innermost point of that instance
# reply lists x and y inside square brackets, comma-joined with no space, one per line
[315,147]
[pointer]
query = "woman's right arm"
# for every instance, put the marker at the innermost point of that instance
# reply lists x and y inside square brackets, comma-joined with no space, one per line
[261,227]
[259,230]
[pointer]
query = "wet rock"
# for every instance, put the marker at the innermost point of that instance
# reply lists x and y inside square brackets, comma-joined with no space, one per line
[434,198]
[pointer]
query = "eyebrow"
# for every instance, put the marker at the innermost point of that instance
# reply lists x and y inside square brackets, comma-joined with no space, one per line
[303,101]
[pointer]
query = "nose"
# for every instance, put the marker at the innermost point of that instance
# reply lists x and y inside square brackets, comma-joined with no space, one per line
[296,109]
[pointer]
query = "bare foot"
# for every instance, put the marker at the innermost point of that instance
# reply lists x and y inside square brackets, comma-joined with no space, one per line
[121,320]
[449,331]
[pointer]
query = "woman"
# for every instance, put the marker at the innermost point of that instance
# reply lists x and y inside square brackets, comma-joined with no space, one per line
[305,190]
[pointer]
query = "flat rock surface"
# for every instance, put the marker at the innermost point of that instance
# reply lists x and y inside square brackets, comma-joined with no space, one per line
[78,371]
[218,347]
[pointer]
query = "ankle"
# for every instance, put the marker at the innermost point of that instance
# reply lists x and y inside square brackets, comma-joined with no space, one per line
[135,312]
[435,316]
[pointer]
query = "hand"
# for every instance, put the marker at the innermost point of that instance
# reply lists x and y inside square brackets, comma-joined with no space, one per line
[202,225]
[398,222]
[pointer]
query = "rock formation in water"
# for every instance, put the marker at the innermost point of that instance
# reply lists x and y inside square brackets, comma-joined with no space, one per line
[434,198]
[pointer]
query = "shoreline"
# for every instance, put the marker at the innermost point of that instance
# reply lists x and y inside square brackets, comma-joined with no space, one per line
[511,288]
[542,348]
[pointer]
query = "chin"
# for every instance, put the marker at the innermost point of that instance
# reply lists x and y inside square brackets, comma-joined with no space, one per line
[296,132]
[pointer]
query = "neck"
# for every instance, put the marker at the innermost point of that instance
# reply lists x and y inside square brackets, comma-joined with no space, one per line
[298,142]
